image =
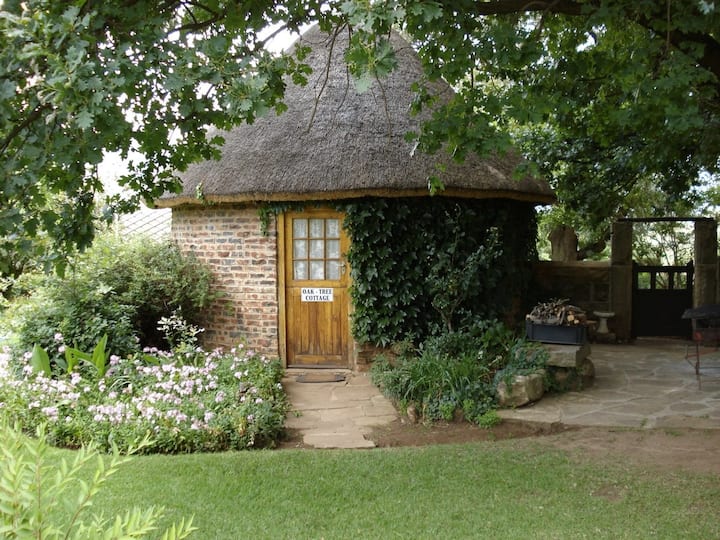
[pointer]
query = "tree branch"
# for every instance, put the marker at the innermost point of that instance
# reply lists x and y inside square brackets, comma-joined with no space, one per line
[18,128]
[710,59]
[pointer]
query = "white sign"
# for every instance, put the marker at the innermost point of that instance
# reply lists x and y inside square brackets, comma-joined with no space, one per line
[316,295]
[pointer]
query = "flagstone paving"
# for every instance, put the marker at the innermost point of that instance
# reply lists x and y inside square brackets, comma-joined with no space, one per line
[647,384]
[337,414]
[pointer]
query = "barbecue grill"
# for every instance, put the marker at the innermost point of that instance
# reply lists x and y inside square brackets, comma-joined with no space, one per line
[705,329]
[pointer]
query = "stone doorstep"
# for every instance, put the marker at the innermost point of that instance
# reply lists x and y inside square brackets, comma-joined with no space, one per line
[345,440]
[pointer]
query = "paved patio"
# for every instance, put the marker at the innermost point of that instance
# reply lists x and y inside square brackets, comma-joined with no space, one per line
[648,384]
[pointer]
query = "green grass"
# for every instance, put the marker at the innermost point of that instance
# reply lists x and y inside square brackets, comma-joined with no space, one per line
[482,490]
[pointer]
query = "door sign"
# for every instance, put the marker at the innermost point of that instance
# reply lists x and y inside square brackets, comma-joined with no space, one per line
[316,295]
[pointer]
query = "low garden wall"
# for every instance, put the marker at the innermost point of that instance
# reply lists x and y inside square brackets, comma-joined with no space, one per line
[585,284]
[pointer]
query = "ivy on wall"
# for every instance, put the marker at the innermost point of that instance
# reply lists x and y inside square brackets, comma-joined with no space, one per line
[424,265]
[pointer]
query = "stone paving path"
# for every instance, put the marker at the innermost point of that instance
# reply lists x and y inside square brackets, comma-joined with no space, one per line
[337,414]
[648,384]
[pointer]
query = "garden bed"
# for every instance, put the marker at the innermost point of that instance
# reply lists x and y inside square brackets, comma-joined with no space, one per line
[206,402]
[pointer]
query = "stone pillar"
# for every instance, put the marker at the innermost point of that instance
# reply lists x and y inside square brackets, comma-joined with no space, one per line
[621,279]
[706,263]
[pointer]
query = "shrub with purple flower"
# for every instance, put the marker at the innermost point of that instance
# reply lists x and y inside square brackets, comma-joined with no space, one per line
[230,400]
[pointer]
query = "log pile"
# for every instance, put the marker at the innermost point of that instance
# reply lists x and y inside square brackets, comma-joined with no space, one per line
[557,312]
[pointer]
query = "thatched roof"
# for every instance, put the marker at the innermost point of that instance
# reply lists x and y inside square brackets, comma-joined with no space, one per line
[335,143]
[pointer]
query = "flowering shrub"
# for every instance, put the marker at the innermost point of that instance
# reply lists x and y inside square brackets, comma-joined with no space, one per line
[228,401]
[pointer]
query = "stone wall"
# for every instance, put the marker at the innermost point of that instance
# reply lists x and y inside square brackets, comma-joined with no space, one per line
[244,261]
[585,283]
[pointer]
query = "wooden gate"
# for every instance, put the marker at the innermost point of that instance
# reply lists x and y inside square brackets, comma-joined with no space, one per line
[660,296]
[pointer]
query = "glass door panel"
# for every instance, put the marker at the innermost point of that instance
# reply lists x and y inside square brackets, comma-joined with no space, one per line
[317,254]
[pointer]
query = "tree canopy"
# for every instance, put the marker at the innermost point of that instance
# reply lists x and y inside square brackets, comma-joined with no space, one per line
[601,94]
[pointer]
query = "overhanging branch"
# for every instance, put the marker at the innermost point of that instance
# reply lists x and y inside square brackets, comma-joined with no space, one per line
[710,60]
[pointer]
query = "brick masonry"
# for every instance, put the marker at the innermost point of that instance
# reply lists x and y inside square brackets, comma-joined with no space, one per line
[244,262]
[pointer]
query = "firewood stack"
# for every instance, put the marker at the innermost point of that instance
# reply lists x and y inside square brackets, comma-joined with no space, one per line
[557,312]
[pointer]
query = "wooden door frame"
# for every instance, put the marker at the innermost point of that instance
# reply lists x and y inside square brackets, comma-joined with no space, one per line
[282,319]
[282,284]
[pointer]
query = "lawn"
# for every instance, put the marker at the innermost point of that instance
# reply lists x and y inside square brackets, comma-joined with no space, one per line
[482,490]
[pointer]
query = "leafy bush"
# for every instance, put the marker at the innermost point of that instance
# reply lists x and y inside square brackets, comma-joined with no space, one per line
[74,311]
[157,279]
[117,288]
[229,400]
[42,496]
[457,371]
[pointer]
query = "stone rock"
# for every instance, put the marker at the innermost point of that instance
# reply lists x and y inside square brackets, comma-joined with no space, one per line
[574,379]
[523,390]
[412,414]
[567,356]
[587,373]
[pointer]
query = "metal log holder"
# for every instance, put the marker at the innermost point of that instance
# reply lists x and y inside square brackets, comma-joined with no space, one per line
[705,331]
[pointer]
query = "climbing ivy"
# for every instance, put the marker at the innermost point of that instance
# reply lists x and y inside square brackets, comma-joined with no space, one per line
[423,265]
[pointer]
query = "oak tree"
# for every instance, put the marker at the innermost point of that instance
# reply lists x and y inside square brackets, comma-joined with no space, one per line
[601,94]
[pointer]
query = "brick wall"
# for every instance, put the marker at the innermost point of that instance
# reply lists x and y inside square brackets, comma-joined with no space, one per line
[244,262]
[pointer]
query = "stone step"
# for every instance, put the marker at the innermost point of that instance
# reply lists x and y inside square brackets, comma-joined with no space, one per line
[568,356]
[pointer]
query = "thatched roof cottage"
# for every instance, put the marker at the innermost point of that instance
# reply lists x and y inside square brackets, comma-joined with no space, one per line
[285,289]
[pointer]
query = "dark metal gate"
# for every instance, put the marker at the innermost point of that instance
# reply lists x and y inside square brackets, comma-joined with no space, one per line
[661,294]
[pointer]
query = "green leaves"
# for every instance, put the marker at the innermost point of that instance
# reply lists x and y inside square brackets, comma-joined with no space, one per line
[76,83]
[612,78]
[369,61]
[97,359]
[40,361]
[411,256]
[44,496]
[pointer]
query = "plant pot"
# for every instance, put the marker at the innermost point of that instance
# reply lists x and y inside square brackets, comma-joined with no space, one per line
[551,333]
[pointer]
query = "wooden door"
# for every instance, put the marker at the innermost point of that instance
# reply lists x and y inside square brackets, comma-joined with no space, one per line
[316,290]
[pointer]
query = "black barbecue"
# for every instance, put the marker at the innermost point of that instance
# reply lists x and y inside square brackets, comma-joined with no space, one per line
[705,328]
